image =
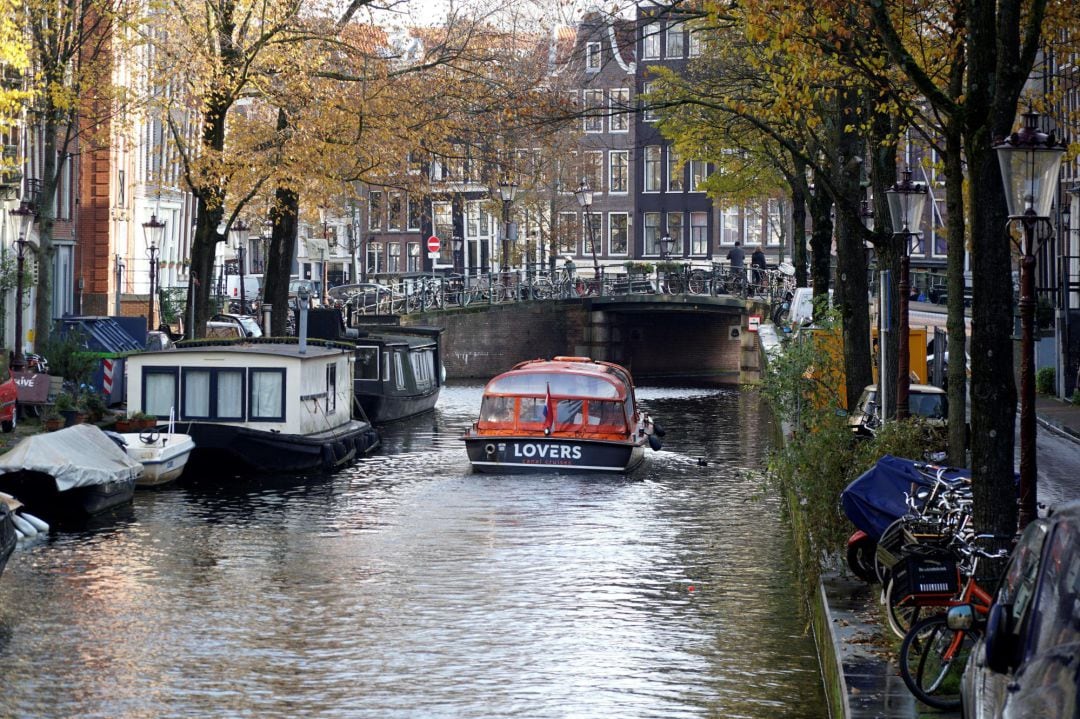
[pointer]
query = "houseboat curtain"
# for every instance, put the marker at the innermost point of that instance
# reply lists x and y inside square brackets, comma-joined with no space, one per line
[266,388]
[230,394]
[197,393]
[160,393]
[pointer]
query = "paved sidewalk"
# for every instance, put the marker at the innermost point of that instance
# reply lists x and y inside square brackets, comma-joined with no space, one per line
[1058,416]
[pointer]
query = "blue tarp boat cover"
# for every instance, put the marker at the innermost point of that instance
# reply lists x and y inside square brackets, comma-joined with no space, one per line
[876,499]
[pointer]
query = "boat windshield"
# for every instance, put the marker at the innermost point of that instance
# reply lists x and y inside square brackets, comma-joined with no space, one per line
[571,415]
[563,384]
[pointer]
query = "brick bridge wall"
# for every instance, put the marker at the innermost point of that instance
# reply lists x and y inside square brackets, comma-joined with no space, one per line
[709,346]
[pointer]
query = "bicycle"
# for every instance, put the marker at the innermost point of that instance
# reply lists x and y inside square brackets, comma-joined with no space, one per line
[932,661]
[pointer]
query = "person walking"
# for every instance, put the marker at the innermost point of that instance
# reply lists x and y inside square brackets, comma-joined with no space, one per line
[737,268]
[757,269]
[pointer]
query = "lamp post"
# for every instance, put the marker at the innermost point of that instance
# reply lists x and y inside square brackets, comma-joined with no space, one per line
[239,230]
[584,198]
[153,230]
[266,234]
[1029,160]
[665,246]
[906,201]
[458,244]
[25,215]
[507,191]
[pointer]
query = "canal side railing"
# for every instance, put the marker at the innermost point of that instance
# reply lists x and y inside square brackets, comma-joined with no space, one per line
[415,293]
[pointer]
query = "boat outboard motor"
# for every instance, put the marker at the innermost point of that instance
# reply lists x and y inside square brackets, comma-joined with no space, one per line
[655,442]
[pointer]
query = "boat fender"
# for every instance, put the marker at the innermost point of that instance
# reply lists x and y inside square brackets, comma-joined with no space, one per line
[489,449]
[340,452]
[658,430]
[655,442]
[328,457]
[19,536]
[23,526]
[39,524]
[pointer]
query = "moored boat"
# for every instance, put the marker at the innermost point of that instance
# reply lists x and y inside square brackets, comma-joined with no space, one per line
[567,413]
[398,371]
[257,405]
[8,536]
[163,455]
[71,473]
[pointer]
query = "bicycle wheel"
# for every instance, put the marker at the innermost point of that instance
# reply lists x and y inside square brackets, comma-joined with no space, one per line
[932,659]
[901,617]
[542,289]
[699,283]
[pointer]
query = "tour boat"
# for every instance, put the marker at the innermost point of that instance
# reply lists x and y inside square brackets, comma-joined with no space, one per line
[567,413]
[259,405]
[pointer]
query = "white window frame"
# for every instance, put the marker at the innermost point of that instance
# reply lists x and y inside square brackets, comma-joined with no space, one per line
[594,170]
[619,109]
[676,29]
[593,119]
[694,177]
[699,241]
[676,170]
[646,183]
[677,247]
[567,244]
[649,114]
[730,225]
[650,41]
[611,251]
[597,220]
[693,44]
[625,155]
[651,246]
[375,210]
[593,57]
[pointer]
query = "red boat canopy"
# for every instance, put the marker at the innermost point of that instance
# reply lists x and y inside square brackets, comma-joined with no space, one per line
[560,383]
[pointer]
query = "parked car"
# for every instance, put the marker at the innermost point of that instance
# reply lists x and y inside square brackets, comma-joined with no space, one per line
[924,400]
[9,396]
[157,340]
[1027,663]
[246,323]
[225,331]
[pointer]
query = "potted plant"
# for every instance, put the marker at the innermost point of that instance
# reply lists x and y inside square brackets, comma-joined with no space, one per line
[94,404]
[65,407]
[141,420]
[52,421]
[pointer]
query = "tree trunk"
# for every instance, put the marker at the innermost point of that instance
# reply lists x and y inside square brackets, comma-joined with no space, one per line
[821,231]
[957,331]
[798,223]
[279,259]
[850,295]
[993,391]
[46,202]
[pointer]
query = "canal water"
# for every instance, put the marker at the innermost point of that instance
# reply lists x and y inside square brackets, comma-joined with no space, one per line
[406,586]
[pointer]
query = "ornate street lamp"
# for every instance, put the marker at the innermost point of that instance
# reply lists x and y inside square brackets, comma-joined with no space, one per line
[459,258]
[665,246]
[906,201]
[507,191]
[584,197]
[240,230]
[266,234]
[25,214]
[153,231]
[1030,160]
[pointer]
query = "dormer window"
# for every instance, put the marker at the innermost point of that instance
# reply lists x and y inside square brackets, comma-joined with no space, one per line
[592,57]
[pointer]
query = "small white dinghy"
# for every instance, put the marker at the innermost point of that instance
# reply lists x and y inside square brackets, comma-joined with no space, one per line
[162,454]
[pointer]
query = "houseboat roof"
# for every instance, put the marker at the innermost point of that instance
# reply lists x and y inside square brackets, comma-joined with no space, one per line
[276,346]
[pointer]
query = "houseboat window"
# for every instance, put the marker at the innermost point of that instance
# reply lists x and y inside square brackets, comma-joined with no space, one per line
[497,410]
[213,394]
[196,394]
[367,363]
[230,394]
[423,364]
[399,370]
[159,391]
[331,388]
[537,383]
[267,400]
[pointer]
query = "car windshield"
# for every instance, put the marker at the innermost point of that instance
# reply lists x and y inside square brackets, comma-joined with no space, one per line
[930,406]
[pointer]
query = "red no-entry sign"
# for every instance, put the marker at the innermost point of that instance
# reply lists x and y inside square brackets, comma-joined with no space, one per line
[433,244]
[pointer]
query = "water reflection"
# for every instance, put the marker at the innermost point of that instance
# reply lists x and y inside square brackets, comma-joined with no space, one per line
[408,587]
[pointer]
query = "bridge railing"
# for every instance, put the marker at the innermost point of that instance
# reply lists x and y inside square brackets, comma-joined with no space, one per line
[425,293]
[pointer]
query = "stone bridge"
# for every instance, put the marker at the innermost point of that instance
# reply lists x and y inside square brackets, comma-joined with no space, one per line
[659,338]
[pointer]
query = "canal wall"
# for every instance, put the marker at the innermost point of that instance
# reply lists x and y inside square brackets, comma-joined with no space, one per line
[705,347]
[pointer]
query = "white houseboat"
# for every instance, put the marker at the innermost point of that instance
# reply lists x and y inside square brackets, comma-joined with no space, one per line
[255,405]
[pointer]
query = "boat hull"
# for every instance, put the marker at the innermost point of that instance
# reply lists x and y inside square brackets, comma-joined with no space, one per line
[243,450]
[515,455]
[38,491]
[163,460]
[383,408]
[7,535]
